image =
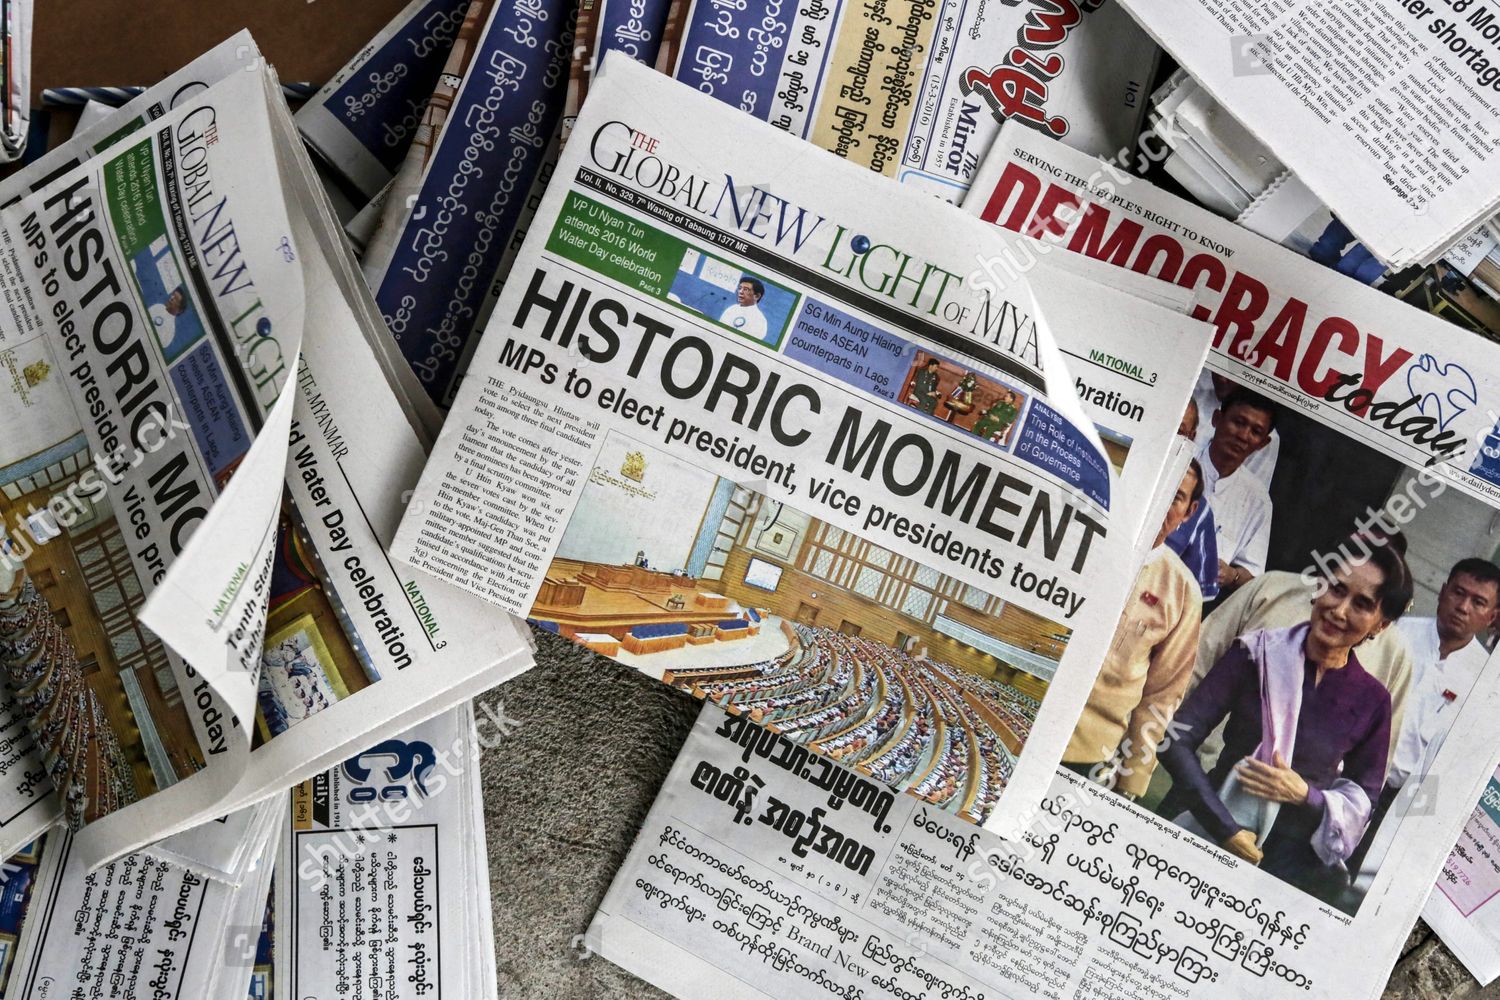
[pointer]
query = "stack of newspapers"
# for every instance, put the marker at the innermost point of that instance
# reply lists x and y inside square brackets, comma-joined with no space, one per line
[1074,500]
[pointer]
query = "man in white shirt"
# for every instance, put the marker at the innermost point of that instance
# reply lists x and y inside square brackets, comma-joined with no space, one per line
[164,317]
[1209,395]
[745,315]
[1238,498]
[1447,657]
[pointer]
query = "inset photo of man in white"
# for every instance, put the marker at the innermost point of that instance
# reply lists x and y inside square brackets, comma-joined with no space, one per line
[164,318]
[745,315]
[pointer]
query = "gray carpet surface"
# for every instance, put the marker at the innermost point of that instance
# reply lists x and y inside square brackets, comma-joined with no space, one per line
[589,744]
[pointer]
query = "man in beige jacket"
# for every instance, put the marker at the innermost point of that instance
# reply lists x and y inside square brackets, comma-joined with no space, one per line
[1148,666]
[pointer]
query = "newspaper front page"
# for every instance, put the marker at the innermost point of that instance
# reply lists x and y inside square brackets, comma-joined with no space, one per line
[29,803]
[383,878]
[1347,448]
[1389,112]
[110,290]
[160,395]
[917,89]
[752,878]
[754,438]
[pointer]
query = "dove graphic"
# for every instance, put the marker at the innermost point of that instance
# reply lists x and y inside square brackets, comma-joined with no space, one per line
[1444,392]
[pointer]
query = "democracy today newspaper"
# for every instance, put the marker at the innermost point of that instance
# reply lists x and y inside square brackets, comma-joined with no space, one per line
[733,426]
[1386,426]
[208,447]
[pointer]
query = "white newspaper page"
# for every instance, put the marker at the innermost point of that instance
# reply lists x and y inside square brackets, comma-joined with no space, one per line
[1346,450]
[101,126]
[29,805]
[754,876]
[918,89]
[355,644]
[736,428]
[1389,112]
[381,892]
[138,927]
[1462,907]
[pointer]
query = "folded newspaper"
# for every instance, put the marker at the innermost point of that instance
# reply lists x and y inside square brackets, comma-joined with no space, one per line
[1350,448]
[1112,482]
[917,90]
[138,927]
[382,885]
[208,441]
[363,120]
[1388,112]
[380,890]
[463,197]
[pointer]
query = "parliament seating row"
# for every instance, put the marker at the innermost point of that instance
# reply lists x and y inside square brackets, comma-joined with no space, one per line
[655,637]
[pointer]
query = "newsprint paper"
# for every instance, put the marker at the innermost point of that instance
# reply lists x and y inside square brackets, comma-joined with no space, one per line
[204,458]
[1388,111]
[1347,447]
[918,89]
[1463,906]
[753,877]
[382,885]
[137,927]
[737,424]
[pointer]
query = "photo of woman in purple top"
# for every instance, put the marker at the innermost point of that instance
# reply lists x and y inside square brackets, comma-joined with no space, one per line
[1307,736]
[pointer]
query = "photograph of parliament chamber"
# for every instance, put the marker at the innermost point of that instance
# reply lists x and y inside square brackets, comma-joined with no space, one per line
[881,662]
